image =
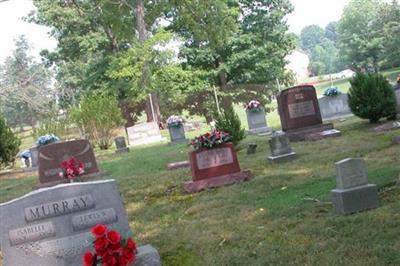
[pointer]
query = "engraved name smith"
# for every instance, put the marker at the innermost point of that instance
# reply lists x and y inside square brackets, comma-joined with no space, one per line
[60,207]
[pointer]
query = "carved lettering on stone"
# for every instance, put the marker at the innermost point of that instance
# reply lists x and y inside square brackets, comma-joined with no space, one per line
[89,219]
[60,207]
[301,109]
[213,158]
[31,233]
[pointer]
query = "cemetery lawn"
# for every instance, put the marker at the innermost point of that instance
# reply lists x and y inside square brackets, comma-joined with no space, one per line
[281,217]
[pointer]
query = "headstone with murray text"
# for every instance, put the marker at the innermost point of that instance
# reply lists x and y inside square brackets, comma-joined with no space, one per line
[144,133]
[51,226]
[52,155]
[353,193]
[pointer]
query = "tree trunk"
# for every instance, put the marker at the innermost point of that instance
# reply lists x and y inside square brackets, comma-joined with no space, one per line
[127,111]
[226,101]
[141,28]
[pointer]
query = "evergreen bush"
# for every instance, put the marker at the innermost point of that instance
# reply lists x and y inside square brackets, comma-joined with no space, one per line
[371,97]
[9,144]
[229,122]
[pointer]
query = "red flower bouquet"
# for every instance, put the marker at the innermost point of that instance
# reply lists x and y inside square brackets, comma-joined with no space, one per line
[72,169]
[110,249]
[211,140]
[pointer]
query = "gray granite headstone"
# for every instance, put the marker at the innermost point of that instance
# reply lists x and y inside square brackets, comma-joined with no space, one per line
[177,133]
[51,226]
[334,106]
[281,150]
[257,122]
[120,144]
[353,193]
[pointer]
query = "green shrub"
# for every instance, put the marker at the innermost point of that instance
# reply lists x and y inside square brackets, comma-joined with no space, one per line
[9,144]
[54,124]
[98,116]
[229,122]
[371,97]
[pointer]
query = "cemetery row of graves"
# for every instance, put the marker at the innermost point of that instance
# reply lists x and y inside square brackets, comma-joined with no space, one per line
[316,191]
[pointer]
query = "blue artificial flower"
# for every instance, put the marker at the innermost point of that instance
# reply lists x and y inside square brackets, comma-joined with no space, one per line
[47,139]
[332,91]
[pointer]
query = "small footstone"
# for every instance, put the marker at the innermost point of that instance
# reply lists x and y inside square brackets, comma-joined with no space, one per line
[147,256]
[396,140]
[251,148]
[323,134]
[178,165]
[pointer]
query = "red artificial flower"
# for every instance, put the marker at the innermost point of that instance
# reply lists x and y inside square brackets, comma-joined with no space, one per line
[88,259]
[109,261]
[114,248]
[101,243]
[80,165]
[64,164]
[131,244]
[122,261]
[99,230]
[114,237]
[129,255]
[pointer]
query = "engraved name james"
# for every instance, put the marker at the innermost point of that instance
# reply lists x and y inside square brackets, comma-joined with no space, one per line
[89,219]
[60,207]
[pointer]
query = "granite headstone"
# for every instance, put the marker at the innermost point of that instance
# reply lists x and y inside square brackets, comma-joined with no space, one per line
[257,122]
[120,144]
[281,151]
[334,106]
[34,156]
[299,112]
[145,133]
[51,226]
[51,156]
[177,134]
[353,193]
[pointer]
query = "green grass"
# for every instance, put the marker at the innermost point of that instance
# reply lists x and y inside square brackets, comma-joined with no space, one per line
[281,217]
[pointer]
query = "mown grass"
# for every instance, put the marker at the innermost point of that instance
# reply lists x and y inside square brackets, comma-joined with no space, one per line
[281,217]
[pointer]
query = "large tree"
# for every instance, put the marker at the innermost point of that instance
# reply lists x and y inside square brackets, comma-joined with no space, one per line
[369,34]
[25,86]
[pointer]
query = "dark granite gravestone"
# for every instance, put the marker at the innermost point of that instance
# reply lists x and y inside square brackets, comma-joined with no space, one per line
[353,193]
[120,144]
[299,112]
[257,122]
[51,226]
[144,133]
[214,167]
[280,148]
[177,134]
[51,156]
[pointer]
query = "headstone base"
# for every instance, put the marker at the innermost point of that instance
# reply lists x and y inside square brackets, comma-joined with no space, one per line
[301,133]
[65,181]
[392,125]
[178,165]
[147,256]
[262,131]
[282,158]
[346,201]
[323,134]
[177,141]
[122,150]
[220,181]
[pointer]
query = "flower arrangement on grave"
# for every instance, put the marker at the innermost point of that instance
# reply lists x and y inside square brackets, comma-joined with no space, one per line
[71,169]
[332,91]
[110,248]
[174,121]
[211,140]
[254,106]
[47,139]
